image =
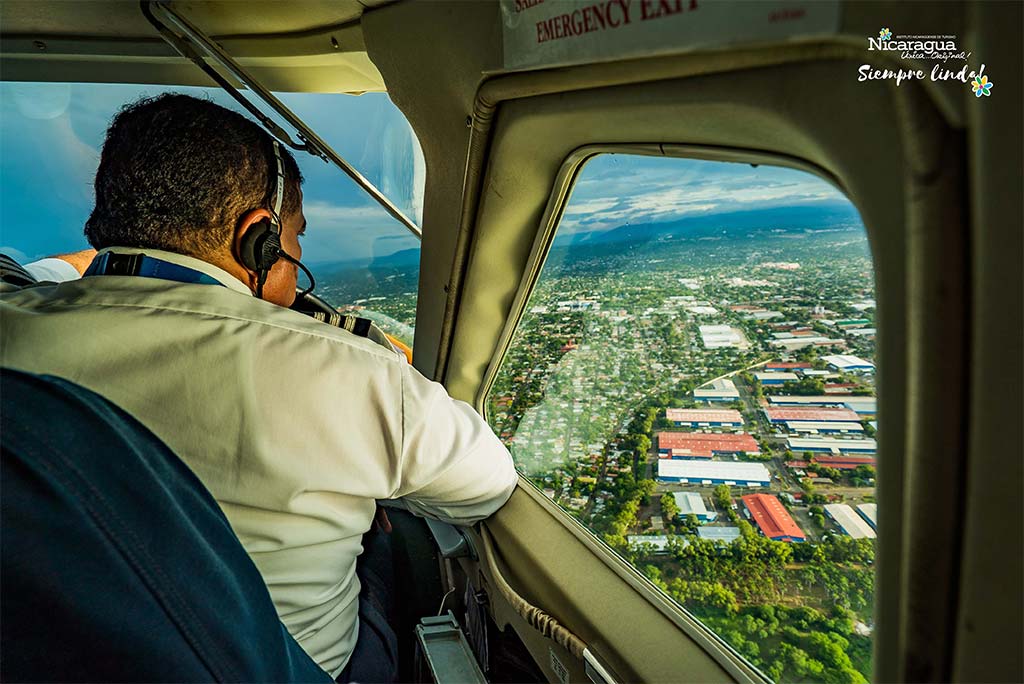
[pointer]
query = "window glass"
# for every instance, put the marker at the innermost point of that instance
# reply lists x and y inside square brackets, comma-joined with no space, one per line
[692,379]
[364,260]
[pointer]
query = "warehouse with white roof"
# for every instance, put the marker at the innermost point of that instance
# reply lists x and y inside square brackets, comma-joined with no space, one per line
[776,377]
[849,522]
[814,427]
[826,445]
[719,336]
[722,389]
[845,362]
[719,534]
[736,473]
[869,512]
[692,503]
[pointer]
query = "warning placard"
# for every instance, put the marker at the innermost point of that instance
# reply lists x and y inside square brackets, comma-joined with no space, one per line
[541,33]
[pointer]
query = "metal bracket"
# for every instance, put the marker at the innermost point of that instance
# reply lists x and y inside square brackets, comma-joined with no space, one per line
[194,45]
[450,540]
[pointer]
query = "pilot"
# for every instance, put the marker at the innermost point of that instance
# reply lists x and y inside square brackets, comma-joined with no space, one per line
[297,428]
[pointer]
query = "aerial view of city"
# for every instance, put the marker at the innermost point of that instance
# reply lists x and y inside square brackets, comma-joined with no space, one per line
[703,401]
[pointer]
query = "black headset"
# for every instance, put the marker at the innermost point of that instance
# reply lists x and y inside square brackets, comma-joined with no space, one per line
[260,247]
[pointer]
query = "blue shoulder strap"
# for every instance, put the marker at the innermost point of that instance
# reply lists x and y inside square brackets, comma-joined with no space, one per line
[146,267]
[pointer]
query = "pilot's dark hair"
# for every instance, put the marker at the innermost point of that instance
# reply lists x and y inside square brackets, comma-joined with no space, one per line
[177,172]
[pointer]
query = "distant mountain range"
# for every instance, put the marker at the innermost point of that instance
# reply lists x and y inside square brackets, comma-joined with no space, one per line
[405,258]
[788,219]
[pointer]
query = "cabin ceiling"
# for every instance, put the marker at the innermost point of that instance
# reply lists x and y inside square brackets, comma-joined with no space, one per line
[300,45]
[123,19]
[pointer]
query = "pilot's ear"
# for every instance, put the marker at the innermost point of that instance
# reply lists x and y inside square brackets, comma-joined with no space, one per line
[248,226]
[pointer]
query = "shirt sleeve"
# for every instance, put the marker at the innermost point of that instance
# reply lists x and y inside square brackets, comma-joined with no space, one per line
[52,270]
[454,468]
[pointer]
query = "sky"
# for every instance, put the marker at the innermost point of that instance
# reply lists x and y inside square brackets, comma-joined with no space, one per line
[614,190]
[51,133]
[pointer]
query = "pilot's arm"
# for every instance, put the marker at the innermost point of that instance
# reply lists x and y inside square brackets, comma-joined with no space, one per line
[62,267]
[454,468]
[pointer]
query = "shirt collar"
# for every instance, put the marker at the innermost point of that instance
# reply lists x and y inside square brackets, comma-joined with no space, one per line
[215,272]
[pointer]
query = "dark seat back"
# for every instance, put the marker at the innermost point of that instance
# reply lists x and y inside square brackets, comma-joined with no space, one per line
[117,564]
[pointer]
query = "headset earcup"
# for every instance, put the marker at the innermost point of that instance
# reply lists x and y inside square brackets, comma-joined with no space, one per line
[251,247]
[260,246]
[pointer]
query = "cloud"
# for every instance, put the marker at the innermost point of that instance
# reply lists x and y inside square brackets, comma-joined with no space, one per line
[326,214]
[341,232]
[615,190]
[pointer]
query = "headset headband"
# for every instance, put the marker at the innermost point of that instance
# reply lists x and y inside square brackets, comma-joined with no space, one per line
[275,213]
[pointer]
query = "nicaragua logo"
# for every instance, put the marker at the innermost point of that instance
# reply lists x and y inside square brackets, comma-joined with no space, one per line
[930,47]
[939,49]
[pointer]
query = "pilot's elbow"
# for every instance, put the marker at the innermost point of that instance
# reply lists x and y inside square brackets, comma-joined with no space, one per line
[502,483]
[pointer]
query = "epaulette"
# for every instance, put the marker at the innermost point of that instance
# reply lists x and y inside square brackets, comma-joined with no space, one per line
[12,273]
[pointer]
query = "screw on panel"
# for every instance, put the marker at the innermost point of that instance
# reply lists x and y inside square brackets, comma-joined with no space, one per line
[334,43]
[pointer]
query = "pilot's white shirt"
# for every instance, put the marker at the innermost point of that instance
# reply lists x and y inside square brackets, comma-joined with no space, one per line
[294,426]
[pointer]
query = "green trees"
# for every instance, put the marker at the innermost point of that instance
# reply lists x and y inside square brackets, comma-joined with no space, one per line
[653,573]
[790,644]
[707,594]
[723,497]
[831,473]
[669,508]
[646,488]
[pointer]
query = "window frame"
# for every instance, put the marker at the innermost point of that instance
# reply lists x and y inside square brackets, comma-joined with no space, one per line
[561,193]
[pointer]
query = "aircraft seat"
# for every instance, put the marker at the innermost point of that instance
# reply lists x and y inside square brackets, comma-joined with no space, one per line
[117,563]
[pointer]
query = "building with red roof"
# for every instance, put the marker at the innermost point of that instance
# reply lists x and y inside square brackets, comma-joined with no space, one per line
[844,462]
[772,518]
[699,445]
[839,415]
[704,417]
[787,366]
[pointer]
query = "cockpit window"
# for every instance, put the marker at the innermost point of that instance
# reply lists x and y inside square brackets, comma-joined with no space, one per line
[693,380]
[365,261]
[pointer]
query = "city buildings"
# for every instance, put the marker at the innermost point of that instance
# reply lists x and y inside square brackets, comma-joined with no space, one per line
[847,363]
[787,367]
[829,445]
[697,445]
[849,522]
[776,377]
[692,503]
[772,518]
[865,407]
[719,534]
[814,427]
[869,512]
[809,413]
[720,390]
[844,462]
[704,417]
[739,474]
[658,542]
[720,336]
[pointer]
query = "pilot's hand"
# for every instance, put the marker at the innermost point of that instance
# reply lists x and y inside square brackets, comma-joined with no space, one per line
[381,521]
